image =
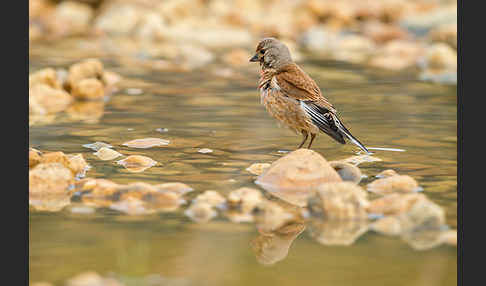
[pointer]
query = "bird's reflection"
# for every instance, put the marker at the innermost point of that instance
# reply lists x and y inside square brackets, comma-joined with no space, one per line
[272,247]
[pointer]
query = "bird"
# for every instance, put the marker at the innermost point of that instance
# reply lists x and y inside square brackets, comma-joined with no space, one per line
[293,97]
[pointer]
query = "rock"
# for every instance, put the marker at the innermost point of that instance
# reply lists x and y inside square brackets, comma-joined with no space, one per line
[201,212]
[91,278]
[165,202]
[319,39]
[50,202]
[137,163]
[131,206]
[211,37]
[146,143]
[110,79]
[440,56]
[97,146]
[357,160]
[151,27]
[205,150]
[295,176]
[245,199]
[394,204]
[177,188]
[394,184]
[90,68]
[213,198]
[444,34]
[382,33]
[423,214]
[118,19]
[43,98]
[347,171]
[389,225]
[45,76]
[74,17]
[35,157]
[272,247]
[77,164]
[236,58]
[106,154]
[88,89]
[271,216]
[353,48]
[49,178]
[397,55]
[339,201]
[334,232]
[449,237]
[387,173]
[421,23]
[258,168]
[55,157]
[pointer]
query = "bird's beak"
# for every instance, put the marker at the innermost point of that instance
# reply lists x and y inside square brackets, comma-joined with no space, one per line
[255,58]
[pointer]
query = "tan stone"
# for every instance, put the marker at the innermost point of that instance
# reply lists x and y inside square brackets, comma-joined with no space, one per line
[90,68]
[49,178]
[45,76]
[106,154]
[212,198]
[35,157]
[88,89]
[271,216]
[339,201]
[258,168]
[246,199]
[394,204]
[295,176]
[394,184]
[335,232]
[201,212]
[49,99]
[77,164]
[347,171]
[146,143]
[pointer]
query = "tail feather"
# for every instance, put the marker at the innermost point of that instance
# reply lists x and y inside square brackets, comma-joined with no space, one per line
[330,124]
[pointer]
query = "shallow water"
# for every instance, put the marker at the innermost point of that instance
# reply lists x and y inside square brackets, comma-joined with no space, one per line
[204,110]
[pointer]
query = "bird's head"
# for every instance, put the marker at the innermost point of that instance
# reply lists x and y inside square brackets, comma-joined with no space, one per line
[271,53]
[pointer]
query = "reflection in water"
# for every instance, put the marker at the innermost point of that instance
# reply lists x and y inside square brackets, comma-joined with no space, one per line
[337,232]
[272,247]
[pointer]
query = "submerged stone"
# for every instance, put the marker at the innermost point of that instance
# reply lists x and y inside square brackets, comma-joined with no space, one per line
[49,178]
[97,146]
[146,143]
[137,163]
[339,201]
[106,154]
[35,157]
[45,99]
[258,168]
[347,171]
[89,89]
[394,184]
[387,173]
[90,68]
[212,198]
[201,212]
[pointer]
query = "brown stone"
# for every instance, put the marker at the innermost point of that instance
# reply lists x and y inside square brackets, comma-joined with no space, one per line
[88,89]
[49,178]
[44,98]
[394,184]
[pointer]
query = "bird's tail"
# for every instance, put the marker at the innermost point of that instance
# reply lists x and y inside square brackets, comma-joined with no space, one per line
[344,131]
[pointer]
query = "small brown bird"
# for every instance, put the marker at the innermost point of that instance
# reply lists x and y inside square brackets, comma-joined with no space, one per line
[292,97]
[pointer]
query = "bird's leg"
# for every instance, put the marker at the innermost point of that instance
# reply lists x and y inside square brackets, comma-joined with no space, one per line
[313,135]
[305,134]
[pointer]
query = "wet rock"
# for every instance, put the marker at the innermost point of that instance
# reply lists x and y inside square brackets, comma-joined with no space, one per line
[176,187]
[164,202]
[201,212]
[44,99]
[90,68]
[205,150]
[77,164]
[45,76]
[357,160]
[272,247]
[118,19]
[50,202]
[271,216]
[389,225]
[72,18]
[382,33]
[347,171]
[441,56]
[394,184]
[334,232]
[211,37]
[397,55]
[110,79]
[449,237]
[131,206]
[34,157]
[55,157]
[295,176]
[86,111]
[88,89]
[444,34]
[212,198]
[49,178]
[258,168]
[106,154]
[146,143]
[97,146]
[319,39]
[245,199]
[339,201]
[353,48]
[423,214]
[394,204]
[387,173]
[151,27]
[421,23]
[193,57]
[91,278]
[137,163]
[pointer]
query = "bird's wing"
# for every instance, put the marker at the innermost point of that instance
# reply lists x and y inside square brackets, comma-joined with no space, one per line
[295,83]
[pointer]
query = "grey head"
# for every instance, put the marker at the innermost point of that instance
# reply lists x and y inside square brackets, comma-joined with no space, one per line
[271,53]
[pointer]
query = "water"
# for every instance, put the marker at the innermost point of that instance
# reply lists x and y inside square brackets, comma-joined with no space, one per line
[204,110]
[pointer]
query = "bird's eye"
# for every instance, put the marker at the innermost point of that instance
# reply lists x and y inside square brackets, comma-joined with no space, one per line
[262,52]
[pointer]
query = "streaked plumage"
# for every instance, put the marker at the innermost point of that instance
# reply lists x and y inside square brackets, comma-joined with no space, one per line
[293,97]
